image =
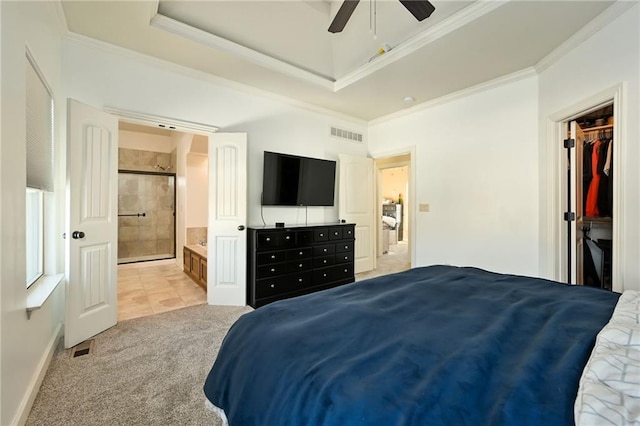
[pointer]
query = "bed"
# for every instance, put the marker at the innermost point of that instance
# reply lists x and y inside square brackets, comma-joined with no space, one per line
[437,345]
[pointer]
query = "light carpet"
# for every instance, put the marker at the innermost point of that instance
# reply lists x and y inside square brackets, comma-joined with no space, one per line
[143,371]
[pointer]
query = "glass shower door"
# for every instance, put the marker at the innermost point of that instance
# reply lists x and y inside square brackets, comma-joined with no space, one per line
[146,216]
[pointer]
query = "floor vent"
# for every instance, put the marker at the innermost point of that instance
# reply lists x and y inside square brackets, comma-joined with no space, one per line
[84,348]
[346,134]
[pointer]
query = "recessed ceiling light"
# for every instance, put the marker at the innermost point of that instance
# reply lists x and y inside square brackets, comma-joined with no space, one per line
[408,99]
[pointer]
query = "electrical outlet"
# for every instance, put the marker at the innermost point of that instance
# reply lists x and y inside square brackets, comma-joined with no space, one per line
[423,207]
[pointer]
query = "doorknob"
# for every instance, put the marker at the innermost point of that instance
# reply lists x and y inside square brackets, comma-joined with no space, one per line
[241,228]
[77,234]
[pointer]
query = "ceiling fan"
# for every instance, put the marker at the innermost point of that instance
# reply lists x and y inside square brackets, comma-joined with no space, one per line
[421,9]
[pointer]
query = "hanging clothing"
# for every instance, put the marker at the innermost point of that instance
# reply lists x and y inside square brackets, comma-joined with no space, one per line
[587,151]
[591,207]
[604,209]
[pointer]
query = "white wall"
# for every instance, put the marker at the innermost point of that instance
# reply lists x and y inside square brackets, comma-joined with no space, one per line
[608,58]
[26,343]
[110,77]
[145,141]
[182,142]
[475,165]
[197,201]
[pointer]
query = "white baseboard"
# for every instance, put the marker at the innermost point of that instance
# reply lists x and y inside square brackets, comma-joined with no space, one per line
[34,386]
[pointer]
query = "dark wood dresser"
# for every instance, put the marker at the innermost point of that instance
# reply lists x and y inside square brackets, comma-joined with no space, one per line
[296,260]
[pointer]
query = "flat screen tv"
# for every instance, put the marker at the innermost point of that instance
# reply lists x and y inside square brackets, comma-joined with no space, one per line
[291,180]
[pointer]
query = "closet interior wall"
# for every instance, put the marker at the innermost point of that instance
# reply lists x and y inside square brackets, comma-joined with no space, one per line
[594,197]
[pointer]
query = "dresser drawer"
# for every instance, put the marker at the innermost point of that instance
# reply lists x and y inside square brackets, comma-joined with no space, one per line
[272,270]
[335,233]
[322,276]
[299,265]
[342,247]
[270,257]
[324,250]
[344,257]
[348,232]
[302,280]
[273,286]
[271,240]
[304,238]
[299,253]
[322,261]
[341,272]
[321,234]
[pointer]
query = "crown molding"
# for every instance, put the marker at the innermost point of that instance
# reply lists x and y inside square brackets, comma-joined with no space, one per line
[609,15]
[207,39]
[456,21]
[487,85]
[206,77]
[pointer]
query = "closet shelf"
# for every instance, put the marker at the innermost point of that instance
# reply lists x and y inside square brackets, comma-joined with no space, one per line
[605,220]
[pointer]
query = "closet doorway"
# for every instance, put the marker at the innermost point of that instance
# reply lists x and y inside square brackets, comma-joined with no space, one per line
[589,209]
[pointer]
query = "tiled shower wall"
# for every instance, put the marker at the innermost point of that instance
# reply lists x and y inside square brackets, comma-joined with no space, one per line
[146,161]
[151,236]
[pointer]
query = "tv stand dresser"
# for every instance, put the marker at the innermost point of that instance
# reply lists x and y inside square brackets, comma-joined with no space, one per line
[292,261]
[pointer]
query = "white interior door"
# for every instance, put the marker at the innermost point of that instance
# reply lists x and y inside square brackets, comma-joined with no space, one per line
[227,247]
[92,233]
[574,204]
[356,205]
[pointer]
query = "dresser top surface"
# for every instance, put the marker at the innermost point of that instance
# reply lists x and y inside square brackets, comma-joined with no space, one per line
[298,227]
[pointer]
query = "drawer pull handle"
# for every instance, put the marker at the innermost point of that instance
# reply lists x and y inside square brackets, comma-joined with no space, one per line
[324,250]
[273,269]
[346,257]
[273,286]
[321,234]
[273,256]
[346,247]
[324,261]
[300,265]
[335,233]
[268,239]
[324,275]
[300,253]
[287,237]
[345,270]
[299,280]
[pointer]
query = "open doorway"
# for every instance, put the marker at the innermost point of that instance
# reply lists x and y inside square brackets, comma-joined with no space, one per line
[162,211]
[585,239]
[393,213]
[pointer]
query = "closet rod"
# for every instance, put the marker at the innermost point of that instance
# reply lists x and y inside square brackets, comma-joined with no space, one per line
[593,129]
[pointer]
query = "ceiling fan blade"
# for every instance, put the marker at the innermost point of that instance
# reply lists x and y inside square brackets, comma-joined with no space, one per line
[421,9]
[343,15]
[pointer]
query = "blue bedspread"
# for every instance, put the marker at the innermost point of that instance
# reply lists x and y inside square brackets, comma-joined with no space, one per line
[430,346]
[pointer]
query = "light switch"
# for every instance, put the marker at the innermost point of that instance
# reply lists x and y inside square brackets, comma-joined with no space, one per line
[423,207]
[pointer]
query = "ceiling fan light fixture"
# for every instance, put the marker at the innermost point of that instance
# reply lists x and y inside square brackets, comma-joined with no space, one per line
[420,9]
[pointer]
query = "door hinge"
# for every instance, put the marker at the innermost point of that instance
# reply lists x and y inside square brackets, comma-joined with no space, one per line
[569,143]
[569,216]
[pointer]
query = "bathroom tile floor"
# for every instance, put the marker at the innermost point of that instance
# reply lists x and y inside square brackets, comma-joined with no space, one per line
[148,288]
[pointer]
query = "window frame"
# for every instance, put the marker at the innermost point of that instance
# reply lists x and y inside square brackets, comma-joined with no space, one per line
[35,222]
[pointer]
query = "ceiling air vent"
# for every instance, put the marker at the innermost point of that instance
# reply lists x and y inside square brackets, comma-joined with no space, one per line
[346,134]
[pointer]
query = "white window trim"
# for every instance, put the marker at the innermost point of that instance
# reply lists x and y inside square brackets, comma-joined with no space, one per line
[40,290]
